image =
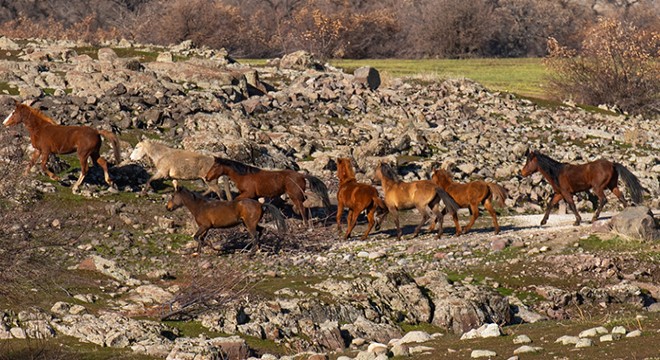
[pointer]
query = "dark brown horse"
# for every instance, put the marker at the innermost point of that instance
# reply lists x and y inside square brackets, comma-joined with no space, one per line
[356,197]
[213,214]
[470,195]
[424,195]
[568,179]
[253,182]
[50,138]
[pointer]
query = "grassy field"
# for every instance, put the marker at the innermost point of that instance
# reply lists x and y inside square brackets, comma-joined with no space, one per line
[525,76]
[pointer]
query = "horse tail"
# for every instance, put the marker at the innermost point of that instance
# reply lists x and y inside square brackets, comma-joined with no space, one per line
[318,187]
[632,183]
[450,203]
[114,141]
[498,193]
[277,215]
[379,203]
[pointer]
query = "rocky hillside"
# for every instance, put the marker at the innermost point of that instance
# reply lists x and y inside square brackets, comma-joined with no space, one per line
[307,293]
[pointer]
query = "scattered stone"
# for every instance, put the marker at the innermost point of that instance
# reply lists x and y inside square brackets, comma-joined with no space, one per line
[568,340]
[522,339]
[485,331]
[619,330]
[526,349]
[476,354]
[584,342]
[634,333]
[636,222]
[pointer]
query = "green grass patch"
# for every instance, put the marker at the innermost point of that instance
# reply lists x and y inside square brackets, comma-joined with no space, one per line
[63,347]
[8,89]
[262,346]
[616,244]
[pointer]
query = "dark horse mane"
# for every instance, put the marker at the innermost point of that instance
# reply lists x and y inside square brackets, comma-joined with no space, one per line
[388,172]
[549,165]
[239,167]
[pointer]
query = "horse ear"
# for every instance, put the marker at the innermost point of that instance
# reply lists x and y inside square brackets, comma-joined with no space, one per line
[29,102]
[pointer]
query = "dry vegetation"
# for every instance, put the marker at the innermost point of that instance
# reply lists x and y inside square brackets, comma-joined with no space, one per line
[331,28]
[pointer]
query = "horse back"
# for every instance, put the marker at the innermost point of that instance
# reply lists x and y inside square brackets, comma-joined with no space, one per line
[185,165]
[353,192]
[465,194]
[583,177]
[64,139]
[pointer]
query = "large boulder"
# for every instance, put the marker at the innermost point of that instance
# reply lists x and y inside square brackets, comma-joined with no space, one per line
[367,75]
[637,223]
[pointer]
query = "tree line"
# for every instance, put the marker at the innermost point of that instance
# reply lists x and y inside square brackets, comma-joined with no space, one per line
[328,28]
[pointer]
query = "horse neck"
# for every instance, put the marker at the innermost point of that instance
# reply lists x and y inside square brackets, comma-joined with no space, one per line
[444,180]
[550,169]
[387,182]
[155,151]
[345,176]
[191,202]
[231,173]
[33,122]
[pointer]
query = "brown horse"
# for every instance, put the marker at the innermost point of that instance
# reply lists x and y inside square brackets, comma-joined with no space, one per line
[253,182]
[356,197]
[470,195]
[422,195]
[50,138]
[568,179]
[213,214]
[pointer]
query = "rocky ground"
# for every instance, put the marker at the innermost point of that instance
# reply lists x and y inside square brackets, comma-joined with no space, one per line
[117,262]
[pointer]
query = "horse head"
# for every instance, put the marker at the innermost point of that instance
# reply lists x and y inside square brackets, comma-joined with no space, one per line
[344,169]
[14,116]
[139,152]
[176,201]
[441,177]
[531,165]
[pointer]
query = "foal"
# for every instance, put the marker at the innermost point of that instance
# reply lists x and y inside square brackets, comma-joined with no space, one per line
[470,195]
[356,197]
[211,214]
[47,138]
[422,195]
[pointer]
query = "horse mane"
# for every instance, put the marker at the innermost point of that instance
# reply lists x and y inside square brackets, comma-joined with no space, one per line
[347,170]
[239,167]
[551,166]
[388,172]
[38,114]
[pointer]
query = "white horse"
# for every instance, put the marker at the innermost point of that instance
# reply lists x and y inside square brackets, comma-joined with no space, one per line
[177,164]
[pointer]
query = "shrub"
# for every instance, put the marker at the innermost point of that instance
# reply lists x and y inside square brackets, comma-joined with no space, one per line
[618,64]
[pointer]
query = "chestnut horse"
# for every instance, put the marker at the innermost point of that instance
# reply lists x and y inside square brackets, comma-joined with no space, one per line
[253,182]
[213,214]
[422,195]
[356,197]
[568,179]
[50,138]
[470,195]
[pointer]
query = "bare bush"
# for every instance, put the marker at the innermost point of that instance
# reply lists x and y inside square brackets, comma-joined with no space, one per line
[207,289]
[617,65]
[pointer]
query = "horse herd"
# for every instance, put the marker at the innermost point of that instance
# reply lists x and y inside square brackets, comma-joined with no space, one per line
[438,196]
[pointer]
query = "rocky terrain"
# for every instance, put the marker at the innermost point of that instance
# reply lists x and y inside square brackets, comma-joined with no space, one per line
[123,263]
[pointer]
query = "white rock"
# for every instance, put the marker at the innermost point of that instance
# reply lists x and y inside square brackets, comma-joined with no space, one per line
[526,349]
[419,349]
[17,333]
[584,342]
[415,337]
[619,330]
[475,354]
[568,340]
[634,333]
[522,339]
[377,348]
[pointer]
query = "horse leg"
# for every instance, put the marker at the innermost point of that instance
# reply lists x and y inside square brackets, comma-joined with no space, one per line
[352,220]
[489,207]
[84,168]
[395,214]
[425,218]
[33,160]
[44,168]
[554,199]
[225,184]
[568,197]
[619,195]
[602,200]
[156,176]
[199,237]
[340,211]
[103,163]
[474,210]
[371,218]
[298,203]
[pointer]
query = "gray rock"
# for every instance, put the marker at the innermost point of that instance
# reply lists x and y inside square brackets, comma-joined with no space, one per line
[367,75]
[522,339]
[476,354]
[636,222]
[584,342]
[526,349]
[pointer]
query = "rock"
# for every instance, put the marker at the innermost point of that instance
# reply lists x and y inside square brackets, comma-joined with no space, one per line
[636,222]
[18,333]
[415,337]
[485,331]
[166,57]
[585,342]
[522,339]
[108,268]
[8,44]
[593,332]
[619,330]
[400,350]
[60,308]
[526,349]
[634,333]
[299,60]
[367,75]
[476,354]
[377,348]
[568,340]
[107,55]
